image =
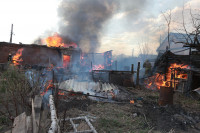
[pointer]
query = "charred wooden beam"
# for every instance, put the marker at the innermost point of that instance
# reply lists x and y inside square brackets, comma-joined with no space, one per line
[138,74]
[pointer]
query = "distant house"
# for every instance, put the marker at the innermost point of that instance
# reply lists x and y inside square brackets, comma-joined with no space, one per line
[177,41]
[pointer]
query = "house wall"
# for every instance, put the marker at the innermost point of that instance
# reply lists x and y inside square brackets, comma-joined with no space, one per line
[32,54]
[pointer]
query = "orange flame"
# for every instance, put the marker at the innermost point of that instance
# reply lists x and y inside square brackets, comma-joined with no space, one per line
[159,80]
[66,60]
[61,93]
[98,67]
[56,41]
[132,101]
[17,58]
[50,85]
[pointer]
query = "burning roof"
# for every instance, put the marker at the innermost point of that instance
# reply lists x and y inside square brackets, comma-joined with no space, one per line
[57,41]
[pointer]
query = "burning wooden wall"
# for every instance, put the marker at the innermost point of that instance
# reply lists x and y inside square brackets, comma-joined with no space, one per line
[36,54]
[180,72]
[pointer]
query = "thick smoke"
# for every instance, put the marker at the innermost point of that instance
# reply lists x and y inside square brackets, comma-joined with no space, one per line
[82,21]
[133,9]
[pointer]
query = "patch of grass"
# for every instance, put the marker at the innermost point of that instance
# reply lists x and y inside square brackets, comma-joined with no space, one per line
[3,120]
[153,97]
[186,101]
[120,114]
[109,123]
[1,127]
[112,125]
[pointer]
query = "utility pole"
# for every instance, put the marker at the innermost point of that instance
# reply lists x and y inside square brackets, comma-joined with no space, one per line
[11,33]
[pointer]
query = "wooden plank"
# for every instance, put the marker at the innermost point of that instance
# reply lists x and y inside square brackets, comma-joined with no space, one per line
[20,124]
[132,68]
[138,74]
[74,127]
[9,131]
[29,124]
[33,118]
[90,125]
[38,101]
[37,110]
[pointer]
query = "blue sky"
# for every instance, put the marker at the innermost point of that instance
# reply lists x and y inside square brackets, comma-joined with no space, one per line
[121,33]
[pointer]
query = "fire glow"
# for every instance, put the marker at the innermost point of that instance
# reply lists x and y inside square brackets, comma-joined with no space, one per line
[17,58]
[159,80]
[132,101]
[50,86]
[66,60]
[98,67]
[56,41]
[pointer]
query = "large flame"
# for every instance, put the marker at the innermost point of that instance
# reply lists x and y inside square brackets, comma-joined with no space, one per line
[166,80]
[56,41]
[17,58]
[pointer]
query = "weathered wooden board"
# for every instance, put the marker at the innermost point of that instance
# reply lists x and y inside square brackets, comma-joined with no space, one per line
[29,124]
[19,125]
[36,110]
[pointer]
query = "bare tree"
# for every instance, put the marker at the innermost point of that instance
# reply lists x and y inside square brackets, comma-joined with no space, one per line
[144,51]
[192,32]
[168,17]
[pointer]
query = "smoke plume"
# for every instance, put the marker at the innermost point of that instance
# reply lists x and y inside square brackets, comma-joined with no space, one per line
[83,20]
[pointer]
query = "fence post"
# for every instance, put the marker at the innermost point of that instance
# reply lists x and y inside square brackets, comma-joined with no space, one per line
[138,74]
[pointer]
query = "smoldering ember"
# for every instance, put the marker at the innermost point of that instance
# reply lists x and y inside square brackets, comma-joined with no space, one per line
[81,78]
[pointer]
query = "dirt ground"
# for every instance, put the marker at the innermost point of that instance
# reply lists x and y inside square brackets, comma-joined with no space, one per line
[144,116]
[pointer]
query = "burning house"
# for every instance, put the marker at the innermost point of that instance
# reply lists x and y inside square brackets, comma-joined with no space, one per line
[179,69]
[177,66]
[39,55]
[177,63]
[175,73]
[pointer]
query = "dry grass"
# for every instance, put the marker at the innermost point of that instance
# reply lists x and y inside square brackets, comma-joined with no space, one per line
[119,118]
[113,117]
[187,102]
